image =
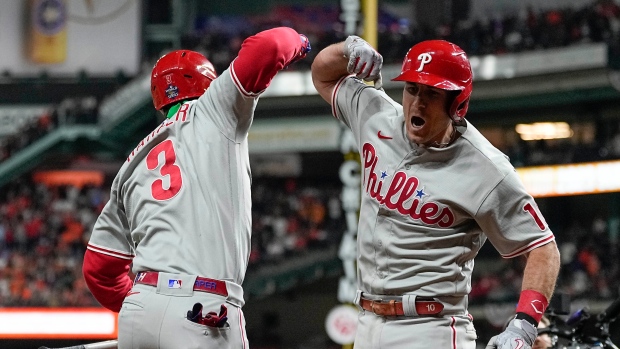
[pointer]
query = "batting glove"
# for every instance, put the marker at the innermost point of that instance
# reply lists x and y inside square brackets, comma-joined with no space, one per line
[364,61]
[520,334]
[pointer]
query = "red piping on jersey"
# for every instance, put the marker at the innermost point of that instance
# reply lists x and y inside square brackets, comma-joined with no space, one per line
[262,56]
[452,322]
[238,83]
[109,252]
[531,246]
[107,279]
[334,94]
[241,327]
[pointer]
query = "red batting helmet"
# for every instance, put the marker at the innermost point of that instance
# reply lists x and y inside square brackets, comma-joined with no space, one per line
[440,64]
[179,75]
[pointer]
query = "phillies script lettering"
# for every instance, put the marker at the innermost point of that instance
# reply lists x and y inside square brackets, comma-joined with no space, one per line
[400,195]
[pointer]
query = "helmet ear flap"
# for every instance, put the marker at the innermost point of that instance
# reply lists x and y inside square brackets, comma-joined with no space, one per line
[459,106]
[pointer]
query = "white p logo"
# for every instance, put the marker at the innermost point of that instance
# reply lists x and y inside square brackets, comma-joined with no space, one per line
[424,58]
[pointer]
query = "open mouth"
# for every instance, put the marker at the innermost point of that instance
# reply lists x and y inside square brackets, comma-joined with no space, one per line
[417,121]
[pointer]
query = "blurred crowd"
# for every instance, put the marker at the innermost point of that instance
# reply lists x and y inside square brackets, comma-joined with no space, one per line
[290,219]
[589,269]
[43,231]
[27,134]
[70,111]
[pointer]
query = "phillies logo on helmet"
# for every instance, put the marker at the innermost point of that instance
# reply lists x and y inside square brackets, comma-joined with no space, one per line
[424,58]
[168,79]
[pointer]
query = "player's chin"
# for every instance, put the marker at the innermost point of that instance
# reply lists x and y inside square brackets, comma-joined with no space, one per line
[415,136]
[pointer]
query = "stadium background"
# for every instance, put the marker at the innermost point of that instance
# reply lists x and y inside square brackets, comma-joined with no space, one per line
[69,115]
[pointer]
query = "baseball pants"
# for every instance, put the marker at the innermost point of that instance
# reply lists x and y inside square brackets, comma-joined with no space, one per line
[447,332]
[151,319]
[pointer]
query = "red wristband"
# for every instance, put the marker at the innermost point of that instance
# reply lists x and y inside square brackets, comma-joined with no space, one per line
[532,303]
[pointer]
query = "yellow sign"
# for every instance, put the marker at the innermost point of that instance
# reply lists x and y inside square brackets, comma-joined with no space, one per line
[48,31]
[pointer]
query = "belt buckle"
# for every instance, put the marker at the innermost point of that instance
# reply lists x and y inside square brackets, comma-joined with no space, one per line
[389,307]
[372,304]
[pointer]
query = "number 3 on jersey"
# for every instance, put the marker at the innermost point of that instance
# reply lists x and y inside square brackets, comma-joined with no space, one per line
[169,169]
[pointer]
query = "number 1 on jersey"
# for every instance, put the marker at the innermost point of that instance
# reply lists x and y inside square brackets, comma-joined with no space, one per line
[169,169]
[529,208]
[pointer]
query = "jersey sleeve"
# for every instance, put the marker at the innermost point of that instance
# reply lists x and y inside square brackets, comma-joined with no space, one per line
[262,56]
[511,219]
[346,100]
[107,278]
[111,230]
[108,256]
[231,98]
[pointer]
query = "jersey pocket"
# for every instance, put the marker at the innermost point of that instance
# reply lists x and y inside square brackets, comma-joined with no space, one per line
[134,300]
[133,303]
[129,305]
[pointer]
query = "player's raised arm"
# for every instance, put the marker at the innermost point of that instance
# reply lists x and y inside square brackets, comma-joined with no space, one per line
[352,56]
[263,55]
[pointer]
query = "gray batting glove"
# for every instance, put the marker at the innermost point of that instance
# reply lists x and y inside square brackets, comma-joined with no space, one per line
[364,61]
[519,334]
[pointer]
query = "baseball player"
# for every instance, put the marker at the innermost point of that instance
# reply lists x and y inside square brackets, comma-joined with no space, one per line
[433,190]
[179,209]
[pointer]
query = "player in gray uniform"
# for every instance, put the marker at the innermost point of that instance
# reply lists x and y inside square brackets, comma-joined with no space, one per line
[433,190]
[179,208]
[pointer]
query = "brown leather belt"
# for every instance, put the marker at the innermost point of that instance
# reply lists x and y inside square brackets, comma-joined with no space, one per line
[395,308]
[202,284]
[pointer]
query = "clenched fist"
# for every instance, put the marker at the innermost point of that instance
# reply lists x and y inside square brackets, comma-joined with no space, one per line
[364,61]
[519,334]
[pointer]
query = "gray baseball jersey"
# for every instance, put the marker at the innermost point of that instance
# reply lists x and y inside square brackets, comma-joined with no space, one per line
[196,159]
[183,196]
[425,214]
